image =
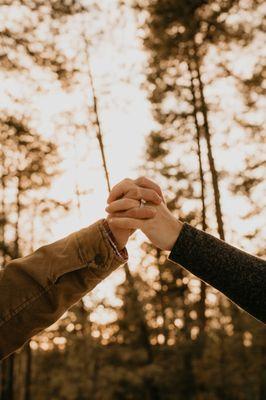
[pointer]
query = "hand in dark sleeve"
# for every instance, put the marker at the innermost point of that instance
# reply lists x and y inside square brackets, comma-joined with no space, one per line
[238,275]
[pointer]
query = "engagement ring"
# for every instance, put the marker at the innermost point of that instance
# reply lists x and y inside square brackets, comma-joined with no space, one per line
[141,203]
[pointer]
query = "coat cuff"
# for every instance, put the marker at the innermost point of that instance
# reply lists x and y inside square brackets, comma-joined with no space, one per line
[121,253]
[103,253]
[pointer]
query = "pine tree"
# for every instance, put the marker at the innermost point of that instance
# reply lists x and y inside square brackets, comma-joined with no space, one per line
[28,166]
[179,37]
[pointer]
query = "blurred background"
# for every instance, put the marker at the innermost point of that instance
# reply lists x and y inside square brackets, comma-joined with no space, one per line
[170,89]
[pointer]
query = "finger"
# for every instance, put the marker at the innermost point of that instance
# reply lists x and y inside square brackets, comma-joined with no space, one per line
[109,216]
[121,205]
[139,193]
[147,183]
[126,223]
[120,189]
[138,213]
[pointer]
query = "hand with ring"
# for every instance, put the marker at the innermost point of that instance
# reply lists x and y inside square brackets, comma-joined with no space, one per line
[132,199]
[149,213]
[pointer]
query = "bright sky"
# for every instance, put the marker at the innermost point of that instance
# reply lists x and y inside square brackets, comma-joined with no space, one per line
[117,65]
[126,120]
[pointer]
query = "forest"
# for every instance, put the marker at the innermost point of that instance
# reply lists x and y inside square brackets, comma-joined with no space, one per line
[169,89]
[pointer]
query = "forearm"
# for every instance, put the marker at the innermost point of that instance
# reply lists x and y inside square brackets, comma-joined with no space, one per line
[240,276]
[36,290]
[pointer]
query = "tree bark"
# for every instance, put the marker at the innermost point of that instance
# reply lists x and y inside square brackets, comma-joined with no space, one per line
[27,380]
[163,305]
[99,133]
[142,321]
[9,390]
[202,305]
[3,211]
[207,135]
[215,183]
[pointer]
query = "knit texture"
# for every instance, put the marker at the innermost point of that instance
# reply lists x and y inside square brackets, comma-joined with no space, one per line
[238,275]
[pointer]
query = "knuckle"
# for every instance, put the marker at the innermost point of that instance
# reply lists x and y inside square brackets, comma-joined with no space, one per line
[134,193]
[151,194]
[141,180]
[139,192]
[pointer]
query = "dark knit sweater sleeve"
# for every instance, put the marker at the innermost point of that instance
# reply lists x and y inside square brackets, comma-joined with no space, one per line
[238,275]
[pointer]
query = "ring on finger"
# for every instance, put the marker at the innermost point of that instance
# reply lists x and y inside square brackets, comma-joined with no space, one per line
[141,203]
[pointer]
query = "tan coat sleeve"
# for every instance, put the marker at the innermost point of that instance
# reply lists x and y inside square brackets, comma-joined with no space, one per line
[36,290]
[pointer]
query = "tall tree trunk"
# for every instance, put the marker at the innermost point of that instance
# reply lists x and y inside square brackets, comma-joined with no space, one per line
[3,248]
[95,374]
[142,320]
[189,384]
[145,338]
[235,312]
[161,294]
[202,305]
[27,349]
[98,127]
[200,387]
[9,382]
[261,345]
[28,369]
[16,252]
[3,376]
[9,390]
[141,317]
[3,364]
[81,305]
[215,185]
[207,134]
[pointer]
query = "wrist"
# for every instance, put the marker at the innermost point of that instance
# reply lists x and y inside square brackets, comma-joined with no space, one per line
[118,244]
[174,233]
